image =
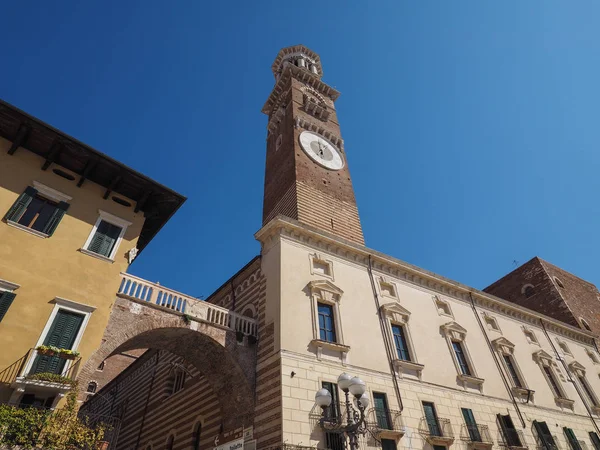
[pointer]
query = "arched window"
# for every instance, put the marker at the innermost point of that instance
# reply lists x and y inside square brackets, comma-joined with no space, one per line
[101,366]
[585,324]
[528,290]
[196,436]
[91,387]
[170,443]
[559,283]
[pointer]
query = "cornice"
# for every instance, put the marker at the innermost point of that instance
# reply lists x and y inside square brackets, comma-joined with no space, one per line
[291,229]
[306,77]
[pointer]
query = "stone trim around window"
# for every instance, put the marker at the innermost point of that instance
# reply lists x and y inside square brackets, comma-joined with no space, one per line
[321,267]
[504,347]
[530,335]
[7,286]
[51,194]
[324,291]
[395,314]
[387,288]
[442,306]
[453,332]
[579,371]
[544,359]
[110,218]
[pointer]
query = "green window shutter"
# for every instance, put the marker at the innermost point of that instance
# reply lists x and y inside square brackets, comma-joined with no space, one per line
[18,208]
[595,440]
[57,216]
[62,334]
[6,299]
[105,238]
[573,442]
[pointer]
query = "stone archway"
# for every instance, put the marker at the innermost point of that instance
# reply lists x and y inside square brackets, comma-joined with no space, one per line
[228,366]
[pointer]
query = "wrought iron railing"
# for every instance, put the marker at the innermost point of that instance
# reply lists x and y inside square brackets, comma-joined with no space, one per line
[511,438]
[440,428]
[42,368]
[379,419]
[476,433]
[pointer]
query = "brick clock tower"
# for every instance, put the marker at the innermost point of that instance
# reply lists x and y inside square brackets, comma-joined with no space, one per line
[306,174]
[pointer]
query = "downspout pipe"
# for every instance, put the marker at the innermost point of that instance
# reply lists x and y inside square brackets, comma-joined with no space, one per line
[568,372]
[495,357]
[386,338]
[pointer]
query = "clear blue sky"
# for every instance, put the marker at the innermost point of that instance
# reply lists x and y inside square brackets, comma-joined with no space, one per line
[471,127]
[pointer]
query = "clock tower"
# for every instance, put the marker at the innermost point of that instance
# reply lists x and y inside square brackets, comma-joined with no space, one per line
[306,174]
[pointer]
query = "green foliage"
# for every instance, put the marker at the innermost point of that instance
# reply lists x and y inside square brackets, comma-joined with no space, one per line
[51,430]
[51,377]
[187,318]
[66,351]
[56,350]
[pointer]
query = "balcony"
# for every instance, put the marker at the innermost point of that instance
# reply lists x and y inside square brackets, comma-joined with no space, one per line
[38,372]
[142,291]
[512,439]
[438,432]
[385,424]
[476,436]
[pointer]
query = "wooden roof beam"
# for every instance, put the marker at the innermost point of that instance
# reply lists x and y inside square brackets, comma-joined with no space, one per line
[20,139]
[113,185]
[142,201]
[87,170]
[54,152]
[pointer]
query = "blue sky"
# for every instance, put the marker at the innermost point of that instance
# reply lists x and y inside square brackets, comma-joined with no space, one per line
[471,127]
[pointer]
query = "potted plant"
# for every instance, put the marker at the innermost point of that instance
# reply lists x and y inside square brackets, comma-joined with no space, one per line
[47,350]
[66,353]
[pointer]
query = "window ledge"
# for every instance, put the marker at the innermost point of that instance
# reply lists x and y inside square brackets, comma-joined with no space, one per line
[8,286]
[410,365]
[471,379]
[96,255]
[391,434]
[480,445]
[27,230]
[521,391]
[330,345]
[50,385]
[564,402]
[440,440]
[596,409]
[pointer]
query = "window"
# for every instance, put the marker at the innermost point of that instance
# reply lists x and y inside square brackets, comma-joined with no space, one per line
[595,440]
[571,439]
[388,444]
[460,357]
[474,433]
[101,366]
[528,290]
[178,381]
[592,356]
[196,436]
[530,335]
[106,236]
[400,342]
[552,381]
[559,283]
[91,387]
[62,334]
[491,323]
[588,390]
[170,443]
[382,412]
[6,299]
[334,410]
[326,323]
[442,306]
[510,435]
[564,348]
[544,437]
[431,418]
[278,142]
[38,212]
[510,367]
[585,324]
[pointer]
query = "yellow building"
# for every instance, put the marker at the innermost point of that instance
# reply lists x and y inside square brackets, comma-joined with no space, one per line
[73,220]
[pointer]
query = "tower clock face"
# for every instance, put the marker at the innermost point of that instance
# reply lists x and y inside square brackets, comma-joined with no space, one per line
[321,150]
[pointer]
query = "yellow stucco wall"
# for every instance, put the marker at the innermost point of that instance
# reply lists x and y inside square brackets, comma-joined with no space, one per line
[49,267]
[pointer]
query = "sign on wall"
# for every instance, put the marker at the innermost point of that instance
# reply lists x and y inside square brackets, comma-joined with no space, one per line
[230,440]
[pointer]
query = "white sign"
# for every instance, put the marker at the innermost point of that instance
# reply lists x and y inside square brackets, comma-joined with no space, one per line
[238,444]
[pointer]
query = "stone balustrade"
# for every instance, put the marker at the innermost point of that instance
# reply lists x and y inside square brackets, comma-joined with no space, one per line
[138,289]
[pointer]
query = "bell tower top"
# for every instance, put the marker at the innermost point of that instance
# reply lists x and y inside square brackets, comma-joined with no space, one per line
[300,56]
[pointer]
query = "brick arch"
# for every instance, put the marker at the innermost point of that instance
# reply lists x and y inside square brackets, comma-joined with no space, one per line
[227,366]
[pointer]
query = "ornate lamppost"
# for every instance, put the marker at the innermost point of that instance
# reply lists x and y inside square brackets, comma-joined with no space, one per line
[356,424]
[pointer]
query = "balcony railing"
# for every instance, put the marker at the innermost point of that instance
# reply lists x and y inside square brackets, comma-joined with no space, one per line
[134,288]
[385,422]
[512,438]
[436,432]
[41,370]
[477,435]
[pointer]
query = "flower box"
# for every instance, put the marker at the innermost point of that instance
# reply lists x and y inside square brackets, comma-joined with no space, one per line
[46,352]
[67,356]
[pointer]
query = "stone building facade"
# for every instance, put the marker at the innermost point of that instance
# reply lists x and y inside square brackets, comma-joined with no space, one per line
[447,366]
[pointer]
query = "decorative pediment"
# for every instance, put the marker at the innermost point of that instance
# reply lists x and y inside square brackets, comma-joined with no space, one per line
[503,345]
[454,330]
[577,368]
[542,356]
[325,290]
[396,312]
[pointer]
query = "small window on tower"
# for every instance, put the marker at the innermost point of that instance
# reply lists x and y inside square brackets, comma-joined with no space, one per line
[528,290]
[278,142]
[559,283]
[585,324]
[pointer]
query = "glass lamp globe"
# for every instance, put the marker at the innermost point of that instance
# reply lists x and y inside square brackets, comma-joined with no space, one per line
[323,398]
[344,381]
[363,400]
[357,387]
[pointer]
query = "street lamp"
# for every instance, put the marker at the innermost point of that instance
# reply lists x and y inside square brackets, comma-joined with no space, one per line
[356,424]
